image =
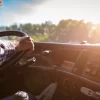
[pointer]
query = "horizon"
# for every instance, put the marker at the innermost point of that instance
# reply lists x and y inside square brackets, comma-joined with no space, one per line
[39,11]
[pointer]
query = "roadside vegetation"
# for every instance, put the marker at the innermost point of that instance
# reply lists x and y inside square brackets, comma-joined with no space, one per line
[66,31]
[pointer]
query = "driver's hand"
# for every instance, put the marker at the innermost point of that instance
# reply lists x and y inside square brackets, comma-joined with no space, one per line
[25,43]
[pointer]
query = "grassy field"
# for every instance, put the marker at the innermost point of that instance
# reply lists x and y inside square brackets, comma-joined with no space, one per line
[41,38]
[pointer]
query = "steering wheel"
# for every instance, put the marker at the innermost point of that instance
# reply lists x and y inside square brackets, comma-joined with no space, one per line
[13,33]
[16,57]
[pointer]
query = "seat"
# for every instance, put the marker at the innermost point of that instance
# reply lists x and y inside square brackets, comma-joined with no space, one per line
[47,94]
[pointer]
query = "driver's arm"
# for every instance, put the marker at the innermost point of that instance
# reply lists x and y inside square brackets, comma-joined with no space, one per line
[8,48]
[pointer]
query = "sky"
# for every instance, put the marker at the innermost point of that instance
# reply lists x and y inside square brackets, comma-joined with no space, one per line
[39,11]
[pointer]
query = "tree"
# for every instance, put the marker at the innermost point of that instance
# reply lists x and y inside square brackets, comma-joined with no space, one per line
[66,31]
[95,37]
[14,27]
[71,30]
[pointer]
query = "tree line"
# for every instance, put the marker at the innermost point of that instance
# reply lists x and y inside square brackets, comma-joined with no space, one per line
[73,31]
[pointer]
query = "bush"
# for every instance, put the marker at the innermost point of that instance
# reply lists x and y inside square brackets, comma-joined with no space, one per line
[41,38]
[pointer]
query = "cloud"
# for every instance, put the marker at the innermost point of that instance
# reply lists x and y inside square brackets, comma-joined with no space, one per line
[38,11]
[28,6]
[39,1]
[20,12]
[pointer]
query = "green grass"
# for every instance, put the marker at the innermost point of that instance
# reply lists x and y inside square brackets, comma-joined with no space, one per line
[41,38]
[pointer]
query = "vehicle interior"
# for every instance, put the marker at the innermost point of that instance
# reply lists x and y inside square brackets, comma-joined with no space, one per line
[75,69]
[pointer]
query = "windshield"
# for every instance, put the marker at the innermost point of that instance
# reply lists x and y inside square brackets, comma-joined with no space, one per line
[65,21]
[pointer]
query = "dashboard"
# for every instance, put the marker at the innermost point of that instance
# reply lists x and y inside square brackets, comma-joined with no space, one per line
[75,69]
[86,65]
[80,60]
